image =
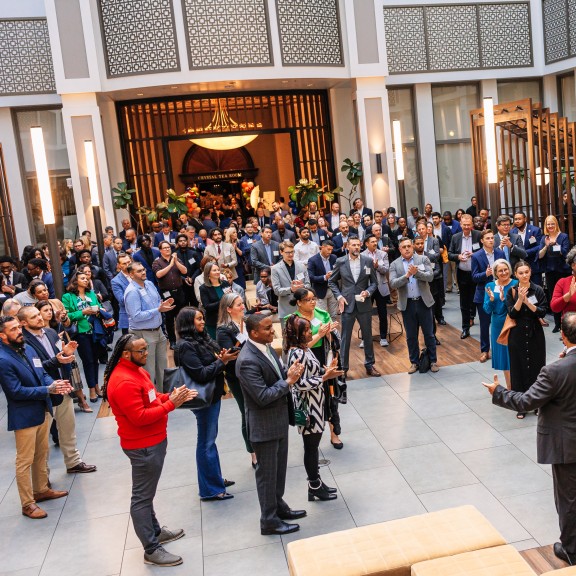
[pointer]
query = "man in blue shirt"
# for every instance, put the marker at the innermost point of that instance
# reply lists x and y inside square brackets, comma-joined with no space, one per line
[144,308]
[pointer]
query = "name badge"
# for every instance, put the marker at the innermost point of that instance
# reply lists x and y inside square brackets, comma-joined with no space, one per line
[532,240]
[476,246]
[315,322]
[367,269]
[321,238]
[151,395]
[241,337]
[166,294]
[59,345]
[533,299]
[496,289]
[384,235]
[37,362]
[275,253]
[431,252]
[556,248]
[191,260]
[422,267]
[300,276]
[227,290]
[17,285]
[249,241]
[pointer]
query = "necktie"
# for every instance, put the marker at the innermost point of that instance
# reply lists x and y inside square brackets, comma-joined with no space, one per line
[327,265]
[268,249]
[7,280]
[219,250]
[507,253]
[273,360]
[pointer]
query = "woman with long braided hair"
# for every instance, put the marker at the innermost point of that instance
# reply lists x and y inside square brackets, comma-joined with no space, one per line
[142,417]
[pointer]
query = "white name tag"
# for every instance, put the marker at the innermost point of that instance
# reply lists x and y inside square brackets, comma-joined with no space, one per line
[315,322]
[300,276]
[275,253]
[249,241]
[533,300]
[384,235]
[227,290]
[431,252]
[59,345]
[422,267]
[37,362]
[241,337]
[321,238]
[191,260]
[166,294]
[476,246]
[532,240]
[151,395]
[17,285]
[496,289]
[556,248]
[367,269]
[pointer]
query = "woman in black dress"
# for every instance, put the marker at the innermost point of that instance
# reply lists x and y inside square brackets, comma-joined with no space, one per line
[526,304]
[211,293]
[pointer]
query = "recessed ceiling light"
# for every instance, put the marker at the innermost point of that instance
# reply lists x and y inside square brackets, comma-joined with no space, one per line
[284,81]
[174,87]
[309,85]
[140,94]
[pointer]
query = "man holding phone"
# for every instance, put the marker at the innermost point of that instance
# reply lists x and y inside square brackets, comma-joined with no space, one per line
[144,308]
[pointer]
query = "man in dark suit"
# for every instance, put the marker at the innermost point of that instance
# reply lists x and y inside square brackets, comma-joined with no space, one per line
[482,273]
[14,282]
[269,412]
[462,246]
[125,226]
[511,244]
[554,396]
[167,234]
[282,233]
[353,281]
[358,206]
[38,269]
[27,388]
[264,253]
[110,261]
[473,208]
[130,242]
[531,236]
[320,268]
[55,361]
[340,240]
[262,219]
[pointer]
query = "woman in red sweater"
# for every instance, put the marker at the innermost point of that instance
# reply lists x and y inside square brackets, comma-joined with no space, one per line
[564,296]
[142,417]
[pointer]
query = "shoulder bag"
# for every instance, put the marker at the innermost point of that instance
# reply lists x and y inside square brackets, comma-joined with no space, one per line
[509,323]
[176,377]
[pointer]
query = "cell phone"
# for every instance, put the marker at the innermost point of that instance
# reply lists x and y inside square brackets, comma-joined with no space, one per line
[234,349]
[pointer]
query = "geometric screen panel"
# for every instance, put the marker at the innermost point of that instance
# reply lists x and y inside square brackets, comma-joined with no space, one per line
[559,32]
[25,57]
[139,36]
[309,32]
[405,39]
[227,33]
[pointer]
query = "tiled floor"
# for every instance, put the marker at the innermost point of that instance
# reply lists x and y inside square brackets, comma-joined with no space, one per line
[412,444]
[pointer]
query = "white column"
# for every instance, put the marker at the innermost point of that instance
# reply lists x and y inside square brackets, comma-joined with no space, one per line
[489,88]
[550,92]
[427,144]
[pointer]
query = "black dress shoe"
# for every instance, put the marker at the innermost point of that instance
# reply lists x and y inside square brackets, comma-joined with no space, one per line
[438,343]
[556,330]
[442,322]
[291,514]
[559,552]
[284,528]
[465,334]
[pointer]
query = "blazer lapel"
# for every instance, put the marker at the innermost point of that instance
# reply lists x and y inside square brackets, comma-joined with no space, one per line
[264,357]
[25,363]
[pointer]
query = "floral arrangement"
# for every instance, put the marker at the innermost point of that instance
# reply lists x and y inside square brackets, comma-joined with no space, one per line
[307,191]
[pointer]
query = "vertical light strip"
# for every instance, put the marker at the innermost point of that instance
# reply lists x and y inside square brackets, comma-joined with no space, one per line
[397,133]
[42,175]
[91,169]
[489,128]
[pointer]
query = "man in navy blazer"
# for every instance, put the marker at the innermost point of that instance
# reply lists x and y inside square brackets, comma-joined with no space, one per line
[531,236]
[482,264]
[38,269]
[320,268]
[341,239]
[167,235]
[28,387]
[510,244]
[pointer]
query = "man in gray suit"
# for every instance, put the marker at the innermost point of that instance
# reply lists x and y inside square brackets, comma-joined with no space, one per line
[282,234]
[554,396]
[411,275]
[269,412]
[353,281]
[264,253]
[287,276]
[511,244]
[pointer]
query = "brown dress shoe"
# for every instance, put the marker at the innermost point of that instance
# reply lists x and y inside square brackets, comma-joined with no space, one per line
[34,512]
[50,495]
[371,371]
[483,356]
[434,367]
[413,368]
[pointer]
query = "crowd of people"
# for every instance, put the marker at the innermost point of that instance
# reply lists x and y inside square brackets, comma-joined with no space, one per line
[183,287]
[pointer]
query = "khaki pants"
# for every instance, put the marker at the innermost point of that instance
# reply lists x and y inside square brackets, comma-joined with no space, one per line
[157,354]
[66,424]
[449,276]
[32,455]
[329,304]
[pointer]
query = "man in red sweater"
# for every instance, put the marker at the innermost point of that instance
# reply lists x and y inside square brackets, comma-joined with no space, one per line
[142,417]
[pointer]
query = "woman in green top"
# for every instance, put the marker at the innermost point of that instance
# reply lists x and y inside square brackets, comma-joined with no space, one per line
[81,303]
[305,301]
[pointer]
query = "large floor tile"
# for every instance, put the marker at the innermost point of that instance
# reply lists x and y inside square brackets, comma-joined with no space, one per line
[378,495]
[26,572]
[499,418]
[524,439]
[179,468]
[431,467]
[268,559]
[466,386]
[433,403]
[506,471]
[403,431]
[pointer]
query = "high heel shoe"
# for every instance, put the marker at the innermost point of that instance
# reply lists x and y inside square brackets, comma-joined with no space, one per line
[328,488]
[319,492]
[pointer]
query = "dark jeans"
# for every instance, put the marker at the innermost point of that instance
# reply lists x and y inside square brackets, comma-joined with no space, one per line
[210,481]
[485,321]
[437,291]
[89,353]
[418,315]
[382,313]
[467,289]
[311,443]
[147,466]
[236,390]
[170,316]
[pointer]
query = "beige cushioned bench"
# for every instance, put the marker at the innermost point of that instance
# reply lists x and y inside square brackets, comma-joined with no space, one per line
[570,571]
[391,548]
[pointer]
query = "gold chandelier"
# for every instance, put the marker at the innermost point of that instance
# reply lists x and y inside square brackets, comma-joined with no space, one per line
[221,122]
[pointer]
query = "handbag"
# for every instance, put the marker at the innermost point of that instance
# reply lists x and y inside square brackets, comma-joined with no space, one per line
[509,323]
[75,377]
[301,415]
[424,361]
[176,377]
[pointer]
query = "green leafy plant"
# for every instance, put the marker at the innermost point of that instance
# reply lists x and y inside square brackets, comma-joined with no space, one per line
[122,196]
[354,176]
[173,205]
[307,191]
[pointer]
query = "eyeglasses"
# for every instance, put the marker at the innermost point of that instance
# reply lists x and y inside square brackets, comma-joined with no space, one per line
[312,299]
[142,351]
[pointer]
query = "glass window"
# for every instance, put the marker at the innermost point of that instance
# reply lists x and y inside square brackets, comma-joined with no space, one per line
[568,97]
[519,90]
[58,167]
[452,106]
[400,102]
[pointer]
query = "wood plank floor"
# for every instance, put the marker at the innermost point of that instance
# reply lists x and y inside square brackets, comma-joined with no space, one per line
[394,358]
[542,559]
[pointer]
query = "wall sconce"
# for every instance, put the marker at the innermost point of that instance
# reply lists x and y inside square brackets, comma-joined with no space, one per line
[378,163]
[539,172]
[94,196]
[489,128]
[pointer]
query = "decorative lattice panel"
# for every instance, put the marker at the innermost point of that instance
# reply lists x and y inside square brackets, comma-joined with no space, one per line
[25,58]
[405,39]
[309,32]
[230,33]
[500,48]
[443,37]
[555,30]
[139,36]
[572,26]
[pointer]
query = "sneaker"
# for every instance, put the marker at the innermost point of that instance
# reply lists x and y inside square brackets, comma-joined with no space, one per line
[161,557]
[169,535]
[383,342]
[413,368]
[361,345]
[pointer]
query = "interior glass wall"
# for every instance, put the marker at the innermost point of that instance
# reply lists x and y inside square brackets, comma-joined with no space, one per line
[519,90]
[7,233]
[452,105]
[568,97]
[58,166]
[401,104]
